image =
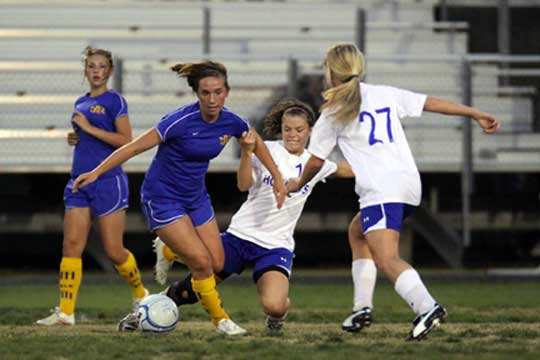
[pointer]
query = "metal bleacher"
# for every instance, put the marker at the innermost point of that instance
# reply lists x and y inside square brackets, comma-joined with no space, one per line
[41,72]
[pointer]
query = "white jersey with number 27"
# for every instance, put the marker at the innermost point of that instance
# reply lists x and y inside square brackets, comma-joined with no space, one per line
[375,145]
[259,220]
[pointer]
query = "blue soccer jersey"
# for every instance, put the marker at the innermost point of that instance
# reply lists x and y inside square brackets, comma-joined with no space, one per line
[102,112]
[178,170]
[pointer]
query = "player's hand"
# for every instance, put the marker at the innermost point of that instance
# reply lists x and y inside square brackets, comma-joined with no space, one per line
[83,180]
[487,122]
[81,121]
[73,138]
[293,185]
[280,192]
[248,141]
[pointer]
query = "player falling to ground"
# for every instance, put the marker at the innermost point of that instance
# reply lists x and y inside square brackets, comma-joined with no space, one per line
[173,195]
[101,124]
[364,121]
[259,234]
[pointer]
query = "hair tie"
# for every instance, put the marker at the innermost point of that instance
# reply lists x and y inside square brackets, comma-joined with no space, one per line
[350,78]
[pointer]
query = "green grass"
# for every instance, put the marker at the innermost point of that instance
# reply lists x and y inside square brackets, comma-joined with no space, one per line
[486,321]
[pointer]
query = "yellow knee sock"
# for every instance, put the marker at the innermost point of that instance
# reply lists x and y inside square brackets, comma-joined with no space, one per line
[170,255]
[70,280]
[209,298]
[129,271]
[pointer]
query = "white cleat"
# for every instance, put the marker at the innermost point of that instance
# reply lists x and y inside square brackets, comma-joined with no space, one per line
[137,301]
[424,323]
[358,320]
[163,265]
[57,318]
[228,327]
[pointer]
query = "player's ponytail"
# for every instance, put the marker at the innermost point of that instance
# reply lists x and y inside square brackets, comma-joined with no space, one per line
[196,71]
[286,107]
[345,65]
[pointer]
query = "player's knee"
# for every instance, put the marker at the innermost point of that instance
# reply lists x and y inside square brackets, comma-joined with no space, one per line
[116,254]
[217,263]
[200,264]
[72,247]
[385,263]
[273,306]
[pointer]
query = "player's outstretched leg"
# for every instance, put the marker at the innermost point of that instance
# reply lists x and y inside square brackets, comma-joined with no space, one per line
[426,322]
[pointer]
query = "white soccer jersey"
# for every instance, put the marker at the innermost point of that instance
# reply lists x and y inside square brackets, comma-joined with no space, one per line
[259,220]
[375,145]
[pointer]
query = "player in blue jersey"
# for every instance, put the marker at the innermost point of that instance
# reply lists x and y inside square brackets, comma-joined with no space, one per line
[101,124]
[364,121]
[173,195]
[259,235]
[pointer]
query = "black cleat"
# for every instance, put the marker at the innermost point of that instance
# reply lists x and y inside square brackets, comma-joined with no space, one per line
[424,323]
[357,320]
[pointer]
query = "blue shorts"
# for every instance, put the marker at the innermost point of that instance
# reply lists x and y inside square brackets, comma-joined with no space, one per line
[103,196]
[239,253]
[160,213]
[385,216]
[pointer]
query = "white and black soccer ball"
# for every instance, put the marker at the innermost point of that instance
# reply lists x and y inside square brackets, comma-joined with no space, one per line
[157,314]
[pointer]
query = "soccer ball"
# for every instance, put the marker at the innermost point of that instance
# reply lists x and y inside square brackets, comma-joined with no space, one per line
[157,314]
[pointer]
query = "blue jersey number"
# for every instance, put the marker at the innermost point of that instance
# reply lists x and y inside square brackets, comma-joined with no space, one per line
[372,139]
[299,167]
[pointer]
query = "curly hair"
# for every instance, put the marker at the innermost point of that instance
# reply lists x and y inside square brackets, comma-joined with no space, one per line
[284,107]
[196,71]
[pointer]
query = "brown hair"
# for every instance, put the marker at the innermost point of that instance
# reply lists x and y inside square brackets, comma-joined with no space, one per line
[90,51]
[285,107]
[196,71]
[345,63]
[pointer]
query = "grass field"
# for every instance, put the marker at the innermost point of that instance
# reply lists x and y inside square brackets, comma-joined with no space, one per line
[487,320]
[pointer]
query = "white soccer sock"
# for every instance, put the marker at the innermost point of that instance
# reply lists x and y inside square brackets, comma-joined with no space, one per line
[364,274]
[411,288]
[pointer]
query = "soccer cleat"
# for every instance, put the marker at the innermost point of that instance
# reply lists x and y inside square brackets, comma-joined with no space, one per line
[163,265]
[357,320]
[426,322]
[137,301]
[275,324]
[57,318]
[130,322]
[228,327]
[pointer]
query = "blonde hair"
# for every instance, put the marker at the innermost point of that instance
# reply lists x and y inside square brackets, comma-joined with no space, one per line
[345,64]
[90,51]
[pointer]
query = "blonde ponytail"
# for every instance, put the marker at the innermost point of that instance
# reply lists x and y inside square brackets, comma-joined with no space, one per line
[344,67]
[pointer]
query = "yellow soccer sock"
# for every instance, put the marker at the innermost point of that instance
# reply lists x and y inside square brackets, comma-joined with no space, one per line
[129,271]
[69,282]
[170,255]
[209,298]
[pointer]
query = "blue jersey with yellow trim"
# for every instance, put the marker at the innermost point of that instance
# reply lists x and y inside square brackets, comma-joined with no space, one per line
[102,112]
[178,170]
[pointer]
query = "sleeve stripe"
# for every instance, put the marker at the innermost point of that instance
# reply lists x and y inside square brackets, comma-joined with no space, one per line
[122,107]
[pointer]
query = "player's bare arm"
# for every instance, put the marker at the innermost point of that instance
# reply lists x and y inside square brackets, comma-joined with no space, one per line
[244,176]
[143,142]
[486,121]
[261,151]
[119,138]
